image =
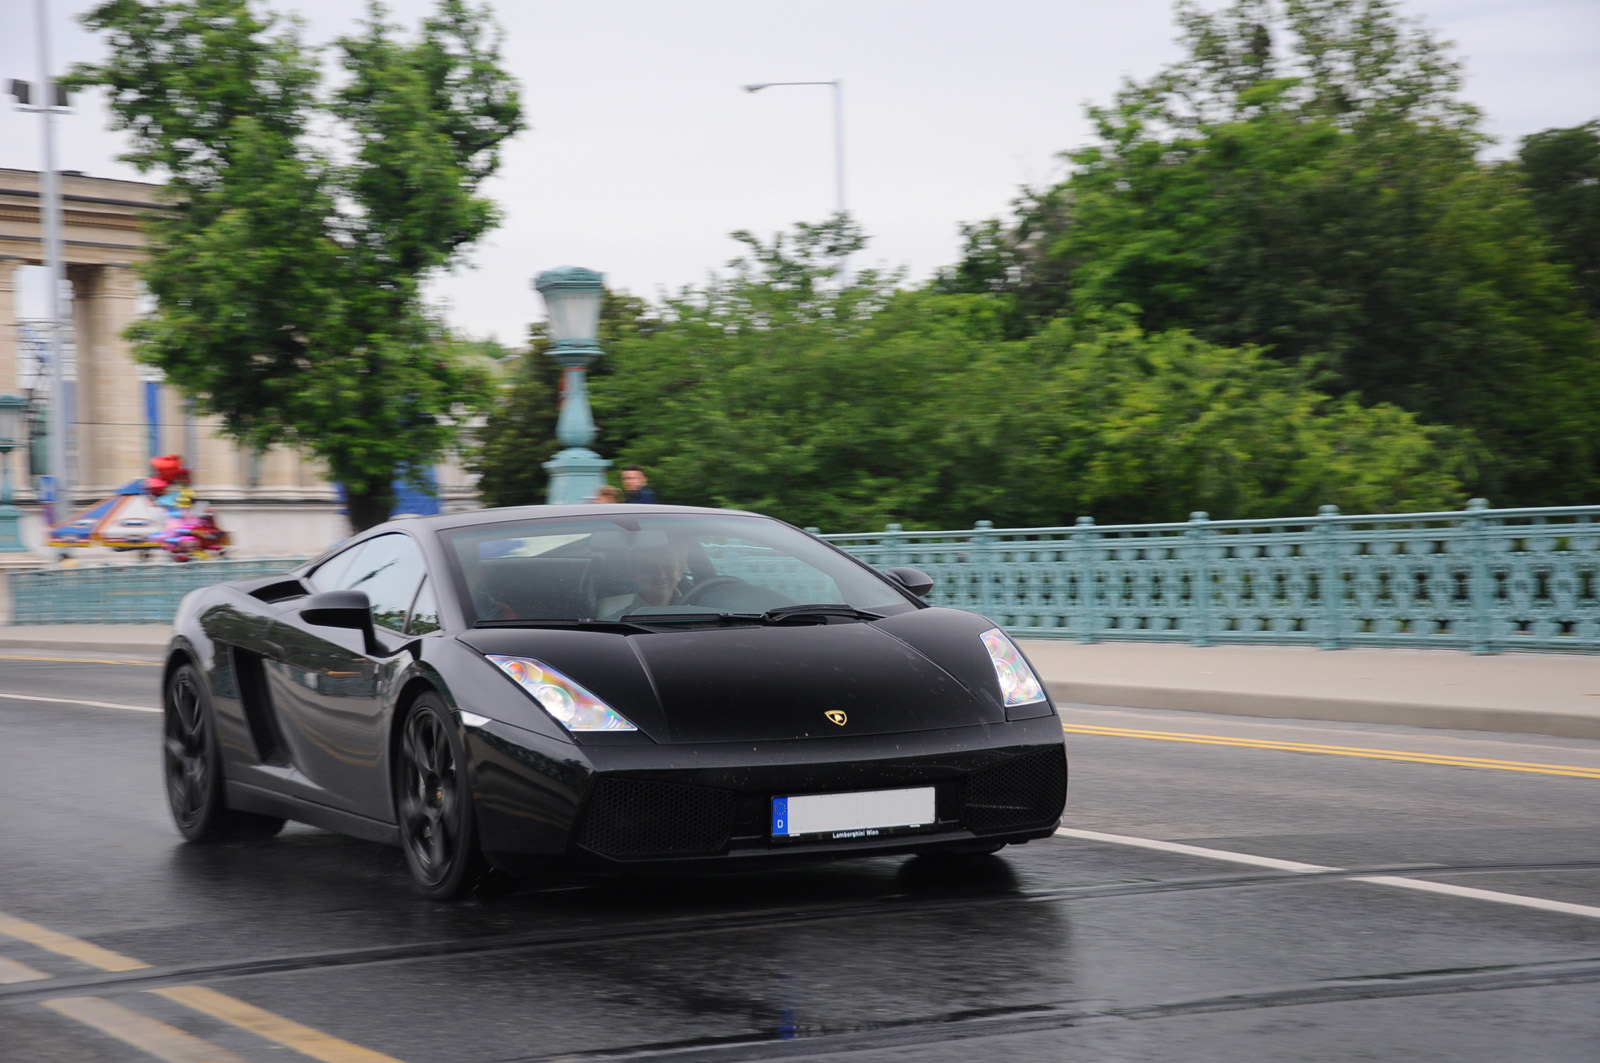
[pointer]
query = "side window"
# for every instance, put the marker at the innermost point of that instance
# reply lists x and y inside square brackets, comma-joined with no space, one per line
[424,611]
[327,575]
[389,568]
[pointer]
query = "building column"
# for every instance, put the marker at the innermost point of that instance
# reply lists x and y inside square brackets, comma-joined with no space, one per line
[10,370]
[217,463]
[279,474]
[110,397]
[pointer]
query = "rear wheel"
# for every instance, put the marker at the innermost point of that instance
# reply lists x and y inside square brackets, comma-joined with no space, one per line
[434,803]
[192,765]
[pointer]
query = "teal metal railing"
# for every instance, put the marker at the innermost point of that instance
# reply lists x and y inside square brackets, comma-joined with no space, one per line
[122,594]
[1480,579]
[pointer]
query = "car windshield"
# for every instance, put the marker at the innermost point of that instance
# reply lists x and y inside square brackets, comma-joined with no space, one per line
[668,568]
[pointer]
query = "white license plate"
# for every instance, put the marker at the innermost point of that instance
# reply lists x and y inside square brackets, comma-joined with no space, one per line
[863,814]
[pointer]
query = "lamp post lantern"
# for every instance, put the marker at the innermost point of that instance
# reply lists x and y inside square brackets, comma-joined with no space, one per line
[573,295]
[11,434]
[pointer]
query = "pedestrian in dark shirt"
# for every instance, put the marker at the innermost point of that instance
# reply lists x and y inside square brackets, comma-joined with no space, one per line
[636,486]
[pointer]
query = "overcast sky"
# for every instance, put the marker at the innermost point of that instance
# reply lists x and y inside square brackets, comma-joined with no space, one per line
[643,152]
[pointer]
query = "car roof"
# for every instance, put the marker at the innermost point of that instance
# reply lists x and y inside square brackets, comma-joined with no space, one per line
[452,521]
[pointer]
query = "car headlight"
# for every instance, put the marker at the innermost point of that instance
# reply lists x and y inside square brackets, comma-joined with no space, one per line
[567,702]
[1018,684]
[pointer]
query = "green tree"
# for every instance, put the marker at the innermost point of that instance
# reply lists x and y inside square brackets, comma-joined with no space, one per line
[1304,181]
[1017,263]
[1140,427]
[846,406]
[1561,168]
[287,277]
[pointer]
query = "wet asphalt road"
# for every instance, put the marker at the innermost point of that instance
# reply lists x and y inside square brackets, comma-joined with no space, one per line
[312,945]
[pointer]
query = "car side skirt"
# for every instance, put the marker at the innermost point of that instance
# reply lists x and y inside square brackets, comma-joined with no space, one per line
[247,798]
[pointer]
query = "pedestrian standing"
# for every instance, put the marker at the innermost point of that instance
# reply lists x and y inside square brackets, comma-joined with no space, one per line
[636,486]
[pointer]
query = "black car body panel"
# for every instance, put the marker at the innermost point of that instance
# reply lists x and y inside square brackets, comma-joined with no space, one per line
[731,708]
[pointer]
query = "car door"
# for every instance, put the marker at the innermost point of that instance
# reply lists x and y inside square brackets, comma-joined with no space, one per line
[332,691]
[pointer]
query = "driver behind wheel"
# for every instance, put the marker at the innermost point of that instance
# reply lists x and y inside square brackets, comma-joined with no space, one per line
[656,571]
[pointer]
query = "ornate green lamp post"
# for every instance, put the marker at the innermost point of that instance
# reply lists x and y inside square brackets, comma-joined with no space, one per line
[572,295]
[11,433]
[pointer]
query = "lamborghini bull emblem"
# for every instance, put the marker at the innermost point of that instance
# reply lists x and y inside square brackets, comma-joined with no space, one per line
[836,716]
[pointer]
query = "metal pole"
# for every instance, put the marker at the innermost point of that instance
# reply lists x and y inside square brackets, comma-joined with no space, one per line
[838,141]
[838,163]
[50,214]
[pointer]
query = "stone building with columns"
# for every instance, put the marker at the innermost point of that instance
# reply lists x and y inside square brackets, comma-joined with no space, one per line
[276,503]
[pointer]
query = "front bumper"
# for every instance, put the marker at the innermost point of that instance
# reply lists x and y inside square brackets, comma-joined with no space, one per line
[642,806]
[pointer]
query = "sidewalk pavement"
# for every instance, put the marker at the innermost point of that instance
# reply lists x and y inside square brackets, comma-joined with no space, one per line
[1519,693]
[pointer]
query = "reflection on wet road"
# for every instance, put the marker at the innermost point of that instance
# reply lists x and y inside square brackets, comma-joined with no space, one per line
[1216,899]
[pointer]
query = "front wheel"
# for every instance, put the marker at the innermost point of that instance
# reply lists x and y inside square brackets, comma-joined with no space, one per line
[434,803]
[191,761]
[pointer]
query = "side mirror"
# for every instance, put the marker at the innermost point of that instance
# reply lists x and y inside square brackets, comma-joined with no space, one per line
[914,580]
[346,609]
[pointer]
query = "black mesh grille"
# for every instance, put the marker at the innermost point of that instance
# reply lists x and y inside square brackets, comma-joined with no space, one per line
[1021,792]
[636,817]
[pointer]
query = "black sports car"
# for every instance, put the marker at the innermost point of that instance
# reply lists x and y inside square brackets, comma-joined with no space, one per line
[603,685]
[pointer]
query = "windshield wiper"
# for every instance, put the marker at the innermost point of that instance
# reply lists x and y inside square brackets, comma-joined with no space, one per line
[806,613]
[820,610]
[562,622]
[638,619]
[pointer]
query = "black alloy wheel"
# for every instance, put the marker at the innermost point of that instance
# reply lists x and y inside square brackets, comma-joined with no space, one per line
[434,803]
[192,766]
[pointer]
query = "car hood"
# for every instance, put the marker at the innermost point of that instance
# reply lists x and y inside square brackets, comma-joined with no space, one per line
[758,683]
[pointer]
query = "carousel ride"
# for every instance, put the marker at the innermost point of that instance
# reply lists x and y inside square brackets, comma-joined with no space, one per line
[158,512]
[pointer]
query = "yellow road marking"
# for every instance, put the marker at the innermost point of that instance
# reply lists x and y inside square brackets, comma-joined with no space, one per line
[62,945]
[151,1036]
[110,1019]
[302,1039]
[82,660]
[1572,770]
[11,972]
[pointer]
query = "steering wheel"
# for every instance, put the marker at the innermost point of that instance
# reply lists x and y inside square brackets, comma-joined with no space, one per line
[703,587]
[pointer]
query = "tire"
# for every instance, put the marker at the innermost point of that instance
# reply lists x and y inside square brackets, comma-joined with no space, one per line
[191,762]
[433,803]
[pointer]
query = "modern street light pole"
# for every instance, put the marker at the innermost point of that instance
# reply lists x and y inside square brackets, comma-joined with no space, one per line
[573,296]
[838,137]
[51,101]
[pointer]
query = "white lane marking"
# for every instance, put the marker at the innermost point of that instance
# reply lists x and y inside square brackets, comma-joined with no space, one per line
[1564,907]
[4,696]
[1422,885]
[1195,850]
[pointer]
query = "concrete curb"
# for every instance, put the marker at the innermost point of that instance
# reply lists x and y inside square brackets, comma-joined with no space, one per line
[113,645]
[150,639]
[1338,710]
